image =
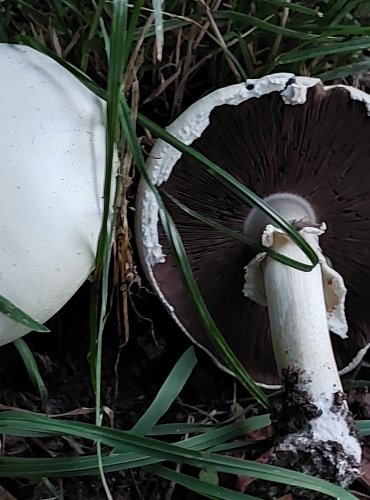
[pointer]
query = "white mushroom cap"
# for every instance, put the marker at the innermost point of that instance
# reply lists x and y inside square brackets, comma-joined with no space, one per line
[52,150]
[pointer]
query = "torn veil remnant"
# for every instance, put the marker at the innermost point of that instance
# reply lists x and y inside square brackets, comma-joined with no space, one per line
[303,148]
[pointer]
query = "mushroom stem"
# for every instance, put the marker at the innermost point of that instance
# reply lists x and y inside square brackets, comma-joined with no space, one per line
[320,436]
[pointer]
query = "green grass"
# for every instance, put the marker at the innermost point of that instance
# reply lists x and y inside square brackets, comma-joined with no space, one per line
[118,44]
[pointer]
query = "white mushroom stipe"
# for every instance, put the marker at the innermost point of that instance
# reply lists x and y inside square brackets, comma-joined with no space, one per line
[297,209]
[299,320]
[298,326]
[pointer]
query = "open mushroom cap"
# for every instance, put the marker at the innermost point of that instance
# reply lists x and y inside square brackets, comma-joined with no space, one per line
[279,134]
[52,148]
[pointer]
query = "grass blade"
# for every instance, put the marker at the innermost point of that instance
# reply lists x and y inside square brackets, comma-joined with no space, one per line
[172,234]
[100,289]
[167,393]
[92,32]
[240,236]
[158,23]
[132,31]
[325,50]
[264,26]
[363,427]
[32,368]
[12,311]
[201,487]
[18,422]
[99,293]
[344,71]
[339,10]
[295,7]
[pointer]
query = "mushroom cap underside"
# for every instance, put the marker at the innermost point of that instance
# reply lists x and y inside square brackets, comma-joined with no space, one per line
[318,150]
[52,146]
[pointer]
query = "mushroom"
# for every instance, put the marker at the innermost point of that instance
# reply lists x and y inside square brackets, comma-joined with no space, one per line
[303,148]
[52,145]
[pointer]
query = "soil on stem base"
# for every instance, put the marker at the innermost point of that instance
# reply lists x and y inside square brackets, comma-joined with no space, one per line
[297,448]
